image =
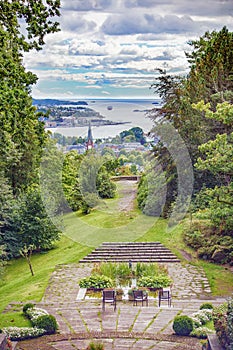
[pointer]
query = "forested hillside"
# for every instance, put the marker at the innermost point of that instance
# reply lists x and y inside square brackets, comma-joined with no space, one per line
[199,107]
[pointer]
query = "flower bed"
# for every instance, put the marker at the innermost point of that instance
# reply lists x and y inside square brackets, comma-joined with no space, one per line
[42,322]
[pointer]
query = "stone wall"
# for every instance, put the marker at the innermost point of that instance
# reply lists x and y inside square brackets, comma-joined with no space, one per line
[3,342]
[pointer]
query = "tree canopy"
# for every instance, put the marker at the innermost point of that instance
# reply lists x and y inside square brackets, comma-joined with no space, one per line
[23,27]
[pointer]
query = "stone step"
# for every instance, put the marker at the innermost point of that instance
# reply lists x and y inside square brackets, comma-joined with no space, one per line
[129,252]
[146,260]
[134,251]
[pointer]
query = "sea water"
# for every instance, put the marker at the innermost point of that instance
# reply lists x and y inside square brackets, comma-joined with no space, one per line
[135,113]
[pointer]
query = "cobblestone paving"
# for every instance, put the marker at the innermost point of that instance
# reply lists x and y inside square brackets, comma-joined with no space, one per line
[190,289]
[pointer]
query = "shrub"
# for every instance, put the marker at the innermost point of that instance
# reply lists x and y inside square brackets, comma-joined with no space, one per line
[152,269]
[230,324]
[201,317]
[194,238]
[206,306]
[158,281]
[27,306]
[34,313]
[21,333]
[220,323]
[201,332]
[96,281]
[46,322]
[95,346]
[182,325]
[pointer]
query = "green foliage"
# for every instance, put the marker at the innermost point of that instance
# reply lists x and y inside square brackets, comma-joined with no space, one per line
[206,306]
[132,135]
[95,346]
[46,322]
[220,323]
[182,325]
[23,333]
[209,241]
[230,324]
[106,188]
[27,306]
[108,269]
[209,79]
[96,282]
[159,281]
[151,269]
[151,194]
[42,322]
[37,16]
[70,180]
[2,261]
[22,136]
[201,332]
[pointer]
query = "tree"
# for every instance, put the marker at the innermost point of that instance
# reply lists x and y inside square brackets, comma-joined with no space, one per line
[26,253]
[35,227]
[106,188]
[217,157]
[210,79]
[2,260]
[70,180]
[22,135]
[37,15]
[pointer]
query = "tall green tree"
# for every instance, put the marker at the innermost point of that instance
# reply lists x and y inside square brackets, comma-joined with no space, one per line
[23,26]
[22,135]
[210,78]
[217,157]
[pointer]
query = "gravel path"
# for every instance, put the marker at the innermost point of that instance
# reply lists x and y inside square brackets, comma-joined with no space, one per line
[127,194]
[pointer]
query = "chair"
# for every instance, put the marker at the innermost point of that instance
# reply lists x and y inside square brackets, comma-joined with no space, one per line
[141,296]
[165,294]
[109,296]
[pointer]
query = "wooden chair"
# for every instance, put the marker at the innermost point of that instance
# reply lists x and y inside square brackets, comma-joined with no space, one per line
[140,296]
[109,296]
[165,294]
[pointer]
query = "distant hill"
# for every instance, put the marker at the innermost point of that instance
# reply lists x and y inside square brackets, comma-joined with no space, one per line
[52,102]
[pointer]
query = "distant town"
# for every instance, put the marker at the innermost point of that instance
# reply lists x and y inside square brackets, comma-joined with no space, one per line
[70,114]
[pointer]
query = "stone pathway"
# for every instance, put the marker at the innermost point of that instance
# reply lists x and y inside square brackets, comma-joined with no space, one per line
[129,327]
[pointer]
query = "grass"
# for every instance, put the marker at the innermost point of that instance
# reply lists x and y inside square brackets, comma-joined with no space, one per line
[98,227]
[14,319]
[18,285]
[220,278]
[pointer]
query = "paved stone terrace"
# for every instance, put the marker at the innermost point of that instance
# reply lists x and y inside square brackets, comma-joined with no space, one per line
[129,327]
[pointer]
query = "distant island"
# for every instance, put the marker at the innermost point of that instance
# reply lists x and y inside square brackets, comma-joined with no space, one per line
[54,102]
[60,113]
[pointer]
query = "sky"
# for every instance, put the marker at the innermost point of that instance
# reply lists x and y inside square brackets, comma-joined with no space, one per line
[111,48]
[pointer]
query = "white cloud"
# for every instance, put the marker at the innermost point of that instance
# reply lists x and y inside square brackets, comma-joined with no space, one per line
[139,23]
[106,44]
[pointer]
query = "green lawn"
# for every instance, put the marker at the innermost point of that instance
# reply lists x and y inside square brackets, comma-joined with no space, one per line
[18,284]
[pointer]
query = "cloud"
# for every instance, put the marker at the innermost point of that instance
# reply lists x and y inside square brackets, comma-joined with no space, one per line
[75,23]
[200,8]
[139,23]
[145,3]
[86,5]
[88,48]
[106,44]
